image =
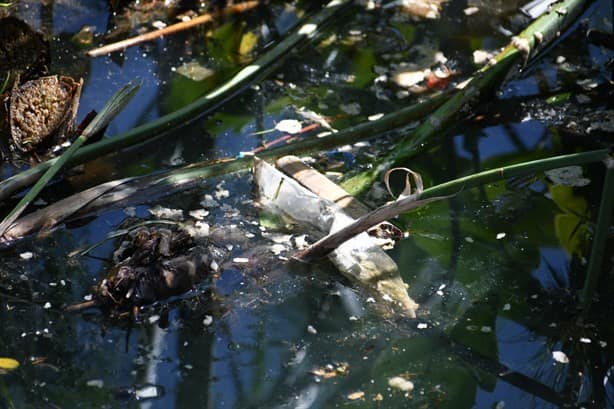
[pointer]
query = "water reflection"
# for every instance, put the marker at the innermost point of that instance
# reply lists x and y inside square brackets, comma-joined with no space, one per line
[494,268]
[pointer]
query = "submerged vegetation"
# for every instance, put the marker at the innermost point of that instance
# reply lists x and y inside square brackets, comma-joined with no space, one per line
[497,284]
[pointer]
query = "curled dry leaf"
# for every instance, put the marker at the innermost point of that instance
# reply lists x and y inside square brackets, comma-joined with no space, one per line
[42,111]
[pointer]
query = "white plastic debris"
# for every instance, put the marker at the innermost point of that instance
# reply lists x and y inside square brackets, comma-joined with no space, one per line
[147,392]
[240,260]
[500,236]
[311,329]
[26,255]
[559,356]
[290,126]
[359,258]
[208,320]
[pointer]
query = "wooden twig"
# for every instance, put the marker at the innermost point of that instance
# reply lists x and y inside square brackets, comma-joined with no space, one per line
[172,29]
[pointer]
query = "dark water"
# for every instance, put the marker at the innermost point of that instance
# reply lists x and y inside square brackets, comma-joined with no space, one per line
[496,269]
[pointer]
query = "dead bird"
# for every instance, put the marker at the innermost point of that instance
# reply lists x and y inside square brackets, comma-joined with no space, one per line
[152,264]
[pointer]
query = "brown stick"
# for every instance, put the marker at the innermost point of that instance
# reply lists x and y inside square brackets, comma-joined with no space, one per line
[327,244]
[173,28]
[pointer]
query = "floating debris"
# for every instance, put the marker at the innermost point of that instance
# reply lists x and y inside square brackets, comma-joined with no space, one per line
[194,71]
[356,395]
[401,383]
[166,213]
[8,364]
[290,126]
[42,112]
[24,52]
[26,255]
[95,383]
[331,371]
[152,264]
[559,356]
[568,176]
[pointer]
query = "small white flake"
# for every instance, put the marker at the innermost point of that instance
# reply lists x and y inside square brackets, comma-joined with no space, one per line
[422,325]
[401,383]
[208,320]
[153,319]
[507,307]
[291,126]
[88,297]
[240,260]
[158,24]
[585,340]
[130,211]
[166,213]
[375,117]
[199,214]
[26,255]
[386,297]
[486,329]
[209,202]
[96,383]
[311,329]
[47,305]
[353,318]
[500,236]
[147,392]
[469,239]
[370,300]
[214,266]
[603,344]
[222,194]
[471,10]
[559,356]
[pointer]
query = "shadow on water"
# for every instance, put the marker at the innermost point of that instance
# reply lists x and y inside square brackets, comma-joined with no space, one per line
[497,269]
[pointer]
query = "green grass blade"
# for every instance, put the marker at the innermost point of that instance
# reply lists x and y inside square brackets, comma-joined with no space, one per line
[110,110]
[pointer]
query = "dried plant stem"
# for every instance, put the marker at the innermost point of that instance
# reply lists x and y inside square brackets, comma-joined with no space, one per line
[172,29]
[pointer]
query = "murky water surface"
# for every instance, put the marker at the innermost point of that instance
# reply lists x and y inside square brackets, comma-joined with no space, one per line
[496,269]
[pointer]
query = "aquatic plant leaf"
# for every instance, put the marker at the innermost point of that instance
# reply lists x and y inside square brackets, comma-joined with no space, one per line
[8,364]
[570,225]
